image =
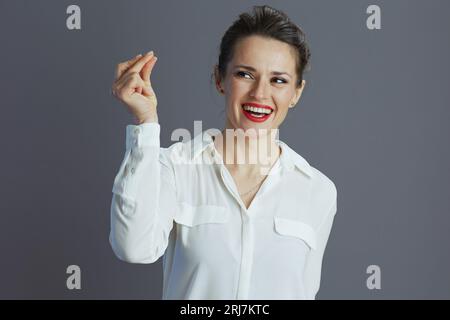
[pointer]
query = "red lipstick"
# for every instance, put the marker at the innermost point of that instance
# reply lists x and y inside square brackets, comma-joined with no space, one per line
[255,116]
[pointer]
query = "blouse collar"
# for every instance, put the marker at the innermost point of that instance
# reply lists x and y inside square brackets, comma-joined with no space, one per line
[288,158]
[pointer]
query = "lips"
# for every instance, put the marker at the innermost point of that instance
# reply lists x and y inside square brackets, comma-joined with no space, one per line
[257,105]
[252,113]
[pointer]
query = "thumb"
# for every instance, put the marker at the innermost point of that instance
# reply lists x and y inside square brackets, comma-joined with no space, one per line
[147,69]
[147,91]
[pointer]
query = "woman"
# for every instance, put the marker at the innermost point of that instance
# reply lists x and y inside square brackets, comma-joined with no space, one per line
[226,228]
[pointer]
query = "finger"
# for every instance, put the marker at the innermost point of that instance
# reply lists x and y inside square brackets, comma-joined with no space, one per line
[129,84]
[122,67]
[119,83]
[125,79]
[147,69]
[140,63]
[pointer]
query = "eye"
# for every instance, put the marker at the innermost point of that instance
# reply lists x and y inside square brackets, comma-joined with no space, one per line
[280,79]
[242,74]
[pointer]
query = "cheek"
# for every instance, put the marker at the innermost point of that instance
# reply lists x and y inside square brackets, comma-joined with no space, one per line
[282,100]
[237,91]
[239,88]
[282,113]
[283,108]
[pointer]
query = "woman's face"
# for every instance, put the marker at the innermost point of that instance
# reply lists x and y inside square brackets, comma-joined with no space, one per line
[263,73]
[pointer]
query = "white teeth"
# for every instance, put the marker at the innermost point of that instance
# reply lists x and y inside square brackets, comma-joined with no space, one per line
[259,110]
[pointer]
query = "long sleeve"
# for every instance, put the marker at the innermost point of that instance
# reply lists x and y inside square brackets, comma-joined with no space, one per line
[313,267]
[144,199]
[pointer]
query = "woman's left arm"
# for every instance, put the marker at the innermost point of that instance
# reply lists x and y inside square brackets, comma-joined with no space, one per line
[313,267]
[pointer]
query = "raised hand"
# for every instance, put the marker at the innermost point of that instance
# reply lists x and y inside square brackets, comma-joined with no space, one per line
[132,86]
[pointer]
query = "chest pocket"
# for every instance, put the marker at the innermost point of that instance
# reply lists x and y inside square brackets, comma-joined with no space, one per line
[202,233]
[296,229]
[192,216]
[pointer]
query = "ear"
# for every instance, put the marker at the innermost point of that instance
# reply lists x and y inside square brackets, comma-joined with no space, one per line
[298,94]
[217,80]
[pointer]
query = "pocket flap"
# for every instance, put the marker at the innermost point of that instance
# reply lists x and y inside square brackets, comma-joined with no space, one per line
[191,215]
[296,228]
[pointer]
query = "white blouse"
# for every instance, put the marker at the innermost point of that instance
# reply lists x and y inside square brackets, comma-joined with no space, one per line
[170,202]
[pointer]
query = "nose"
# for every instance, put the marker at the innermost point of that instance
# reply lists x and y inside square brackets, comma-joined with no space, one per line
[260,90]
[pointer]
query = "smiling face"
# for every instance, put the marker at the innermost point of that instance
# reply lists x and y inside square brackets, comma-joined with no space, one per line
[261,75]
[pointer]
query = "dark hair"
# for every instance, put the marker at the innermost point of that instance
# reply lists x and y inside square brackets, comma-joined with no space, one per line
[267,22]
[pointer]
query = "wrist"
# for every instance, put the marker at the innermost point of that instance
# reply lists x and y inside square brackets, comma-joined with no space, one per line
[148,119]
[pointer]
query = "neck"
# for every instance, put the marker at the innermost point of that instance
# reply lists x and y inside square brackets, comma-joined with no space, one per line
[248,153]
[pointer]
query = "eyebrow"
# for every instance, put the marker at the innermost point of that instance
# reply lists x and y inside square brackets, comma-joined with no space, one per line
[277,73]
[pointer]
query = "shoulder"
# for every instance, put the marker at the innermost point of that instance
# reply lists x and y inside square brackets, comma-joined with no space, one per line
[322,185]
[172,154]
[322,189]
[322,197]
[184,151]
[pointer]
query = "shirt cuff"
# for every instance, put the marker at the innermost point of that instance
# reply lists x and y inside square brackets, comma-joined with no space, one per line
[143,135]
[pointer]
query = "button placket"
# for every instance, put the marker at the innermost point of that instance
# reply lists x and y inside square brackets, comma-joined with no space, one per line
[229,183]
[247,245]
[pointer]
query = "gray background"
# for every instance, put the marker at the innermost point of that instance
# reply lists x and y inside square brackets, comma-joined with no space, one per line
[374,117]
